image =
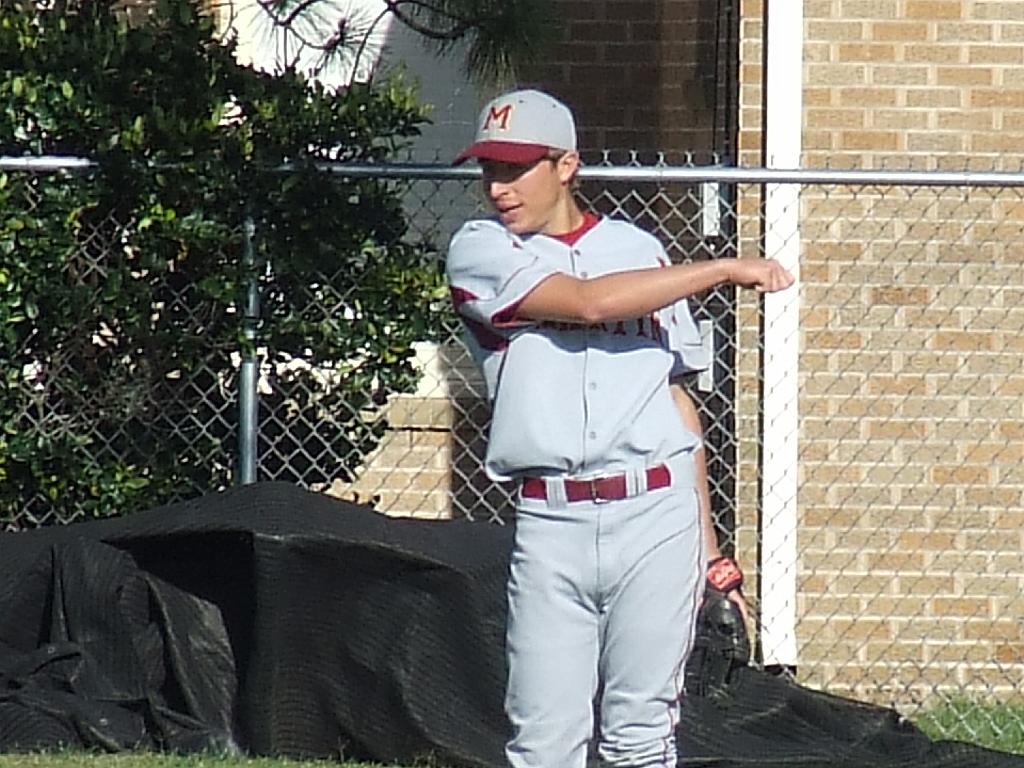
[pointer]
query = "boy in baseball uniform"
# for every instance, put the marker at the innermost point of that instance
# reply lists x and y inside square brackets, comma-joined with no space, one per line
[578,322]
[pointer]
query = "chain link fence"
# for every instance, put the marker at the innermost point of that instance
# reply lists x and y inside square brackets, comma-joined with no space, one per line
[90,394]
[900,573]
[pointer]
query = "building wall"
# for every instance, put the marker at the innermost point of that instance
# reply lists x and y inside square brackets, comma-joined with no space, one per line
[643,76]
[911,498]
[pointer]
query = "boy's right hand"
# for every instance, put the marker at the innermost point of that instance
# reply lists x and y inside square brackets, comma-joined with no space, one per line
[763,275]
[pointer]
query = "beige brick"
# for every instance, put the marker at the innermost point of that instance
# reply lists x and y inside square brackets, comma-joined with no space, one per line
[928,541]
[998,683]
[833,30]
[866,52]
[876,141]
[1003,629]
[903,119]
[835,118]
[873,10]
[1003,11]
[986,97]
[920,628]
[938,98]
[925,586]
[963,340]
[994,497]
[1001,143]
[408,411]
[818,97]
[963,607]
[836,74]
[995,54]
[958,653]
[885,606]
[866,584]
[931,10]
[896,561]
[897,385]
[934,53]
[1011,32]
[835,651]
[965,76]
[966,121]
[899,31]
[873,97]
[936,141]
[1010,653]
[894,653]
[961,475]
[961,31]
[895,430]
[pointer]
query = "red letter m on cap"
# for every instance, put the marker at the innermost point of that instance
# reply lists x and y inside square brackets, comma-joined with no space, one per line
[501,116]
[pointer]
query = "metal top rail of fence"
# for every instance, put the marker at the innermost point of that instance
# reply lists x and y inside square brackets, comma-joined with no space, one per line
[629,172]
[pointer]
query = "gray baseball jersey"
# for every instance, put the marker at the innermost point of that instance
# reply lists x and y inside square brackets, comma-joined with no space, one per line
[570,399]
[603,585]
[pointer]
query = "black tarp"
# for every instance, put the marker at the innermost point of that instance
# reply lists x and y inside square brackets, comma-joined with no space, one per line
[276,621]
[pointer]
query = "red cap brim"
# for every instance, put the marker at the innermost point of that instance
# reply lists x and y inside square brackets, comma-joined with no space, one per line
[514,152]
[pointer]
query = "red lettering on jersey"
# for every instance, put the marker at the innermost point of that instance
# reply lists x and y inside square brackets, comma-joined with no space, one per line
[501,115]
[620,329]
[640,331]
[559,325]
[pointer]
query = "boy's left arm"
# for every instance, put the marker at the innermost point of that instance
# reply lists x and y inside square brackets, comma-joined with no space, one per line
[712,553]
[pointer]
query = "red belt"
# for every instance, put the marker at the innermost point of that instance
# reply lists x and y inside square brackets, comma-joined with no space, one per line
[607,488]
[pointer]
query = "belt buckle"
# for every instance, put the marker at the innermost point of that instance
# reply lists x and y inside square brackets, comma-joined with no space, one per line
[593,485]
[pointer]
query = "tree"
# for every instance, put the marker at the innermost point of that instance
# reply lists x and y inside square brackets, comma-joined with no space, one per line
[120,309]
[495,36]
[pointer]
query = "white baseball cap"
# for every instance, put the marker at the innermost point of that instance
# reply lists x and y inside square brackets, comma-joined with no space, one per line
[521,127]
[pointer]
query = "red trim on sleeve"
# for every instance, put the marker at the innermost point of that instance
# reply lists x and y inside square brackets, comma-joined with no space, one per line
[460,296]
[506,318]
[485,337]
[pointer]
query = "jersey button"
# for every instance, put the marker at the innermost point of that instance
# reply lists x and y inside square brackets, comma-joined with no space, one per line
[592,435]
[583,275]
[592,386]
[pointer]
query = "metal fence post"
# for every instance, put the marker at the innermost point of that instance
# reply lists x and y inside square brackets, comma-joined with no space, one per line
[248,402]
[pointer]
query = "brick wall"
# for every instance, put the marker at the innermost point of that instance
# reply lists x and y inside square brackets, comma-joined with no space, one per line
[911,496]
[642,75]
[927,83]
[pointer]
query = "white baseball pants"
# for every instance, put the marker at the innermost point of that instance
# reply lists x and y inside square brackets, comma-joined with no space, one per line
[601,592]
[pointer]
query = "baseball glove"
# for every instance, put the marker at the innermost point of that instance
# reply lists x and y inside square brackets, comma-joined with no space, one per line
[721,643]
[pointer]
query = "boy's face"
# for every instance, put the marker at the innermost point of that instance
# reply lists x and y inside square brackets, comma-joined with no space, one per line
[530,198]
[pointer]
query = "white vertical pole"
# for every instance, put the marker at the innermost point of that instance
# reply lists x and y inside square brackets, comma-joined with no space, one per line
[783,120]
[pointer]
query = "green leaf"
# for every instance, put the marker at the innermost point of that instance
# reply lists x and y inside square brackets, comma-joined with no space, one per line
[125,283]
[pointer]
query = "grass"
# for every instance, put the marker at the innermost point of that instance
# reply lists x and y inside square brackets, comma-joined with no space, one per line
[996,727]
[150,760]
